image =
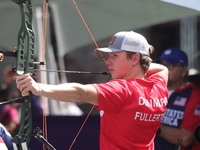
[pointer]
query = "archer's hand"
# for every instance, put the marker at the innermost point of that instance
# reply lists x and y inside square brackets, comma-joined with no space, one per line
[25,83]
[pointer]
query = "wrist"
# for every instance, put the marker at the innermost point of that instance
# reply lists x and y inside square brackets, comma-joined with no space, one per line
[39,90]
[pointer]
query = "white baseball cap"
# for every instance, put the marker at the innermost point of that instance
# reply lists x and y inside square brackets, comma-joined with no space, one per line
[126,41]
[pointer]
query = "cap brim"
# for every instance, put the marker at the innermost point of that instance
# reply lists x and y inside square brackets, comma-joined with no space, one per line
[105,50]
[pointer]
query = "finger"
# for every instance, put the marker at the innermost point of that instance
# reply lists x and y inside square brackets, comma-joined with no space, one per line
[21,87]
[26,85]
[29,87]
[25,91]
[22,77]
[21,82]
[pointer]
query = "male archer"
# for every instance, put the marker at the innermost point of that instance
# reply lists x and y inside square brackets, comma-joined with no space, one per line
[133,103]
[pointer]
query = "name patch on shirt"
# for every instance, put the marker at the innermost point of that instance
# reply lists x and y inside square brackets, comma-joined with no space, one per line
[148,117]
[153,102]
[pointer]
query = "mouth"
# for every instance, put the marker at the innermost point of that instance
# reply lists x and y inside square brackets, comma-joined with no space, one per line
[111,70]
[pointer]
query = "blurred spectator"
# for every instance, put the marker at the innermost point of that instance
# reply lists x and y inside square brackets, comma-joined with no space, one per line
[194,76]
[6,88]
[5,139]
[9,118]
[3,145]
[182,114]
[9,113]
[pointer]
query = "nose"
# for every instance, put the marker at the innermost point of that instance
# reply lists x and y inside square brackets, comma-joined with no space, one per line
[108,62]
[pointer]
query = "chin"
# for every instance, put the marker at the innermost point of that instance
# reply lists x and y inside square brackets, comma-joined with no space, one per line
[115,77]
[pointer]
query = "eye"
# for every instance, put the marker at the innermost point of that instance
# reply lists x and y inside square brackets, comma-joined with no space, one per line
[114,55]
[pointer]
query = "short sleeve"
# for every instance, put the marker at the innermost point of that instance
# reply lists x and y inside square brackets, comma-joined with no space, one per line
[111,95]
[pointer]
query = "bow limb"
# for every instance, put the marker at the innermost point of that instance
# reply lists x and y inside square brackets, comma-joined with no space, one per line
[88,29]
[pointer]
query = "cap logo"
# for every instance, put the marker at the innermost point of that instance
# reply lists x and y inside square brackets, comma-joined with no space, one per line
[167,52]
[112,40]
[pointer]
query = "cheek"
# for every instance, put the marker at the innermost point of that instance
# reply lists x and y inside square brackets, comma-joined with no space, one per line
[174,75]
[120,69]
[124,69]
[124,65]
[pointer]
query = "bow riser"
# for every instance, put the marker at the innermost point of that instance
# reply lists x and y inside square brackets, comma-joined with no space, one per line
[25,64]
[26,34]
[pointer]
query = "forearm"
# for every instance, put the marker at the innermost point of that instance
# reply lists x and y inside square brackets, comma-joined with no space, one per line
[69,92]
[157,68]
[62,92]
[173,134]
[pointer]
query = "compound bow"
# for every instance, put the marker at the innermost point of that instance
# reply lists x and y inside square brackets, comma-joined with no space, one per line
[24,55]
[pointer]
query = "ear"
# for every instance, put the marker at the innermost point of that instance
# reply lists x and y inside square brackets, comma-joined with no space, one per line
[136,59]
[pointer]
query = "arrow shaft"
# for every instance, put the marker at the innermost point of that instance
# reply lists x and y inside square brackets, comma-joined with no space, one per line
[75,72]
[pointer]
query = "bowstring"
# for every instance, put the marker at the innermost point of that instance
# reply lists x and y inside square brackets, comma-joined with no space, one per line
[102,57]
[44,30]
[88,29]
